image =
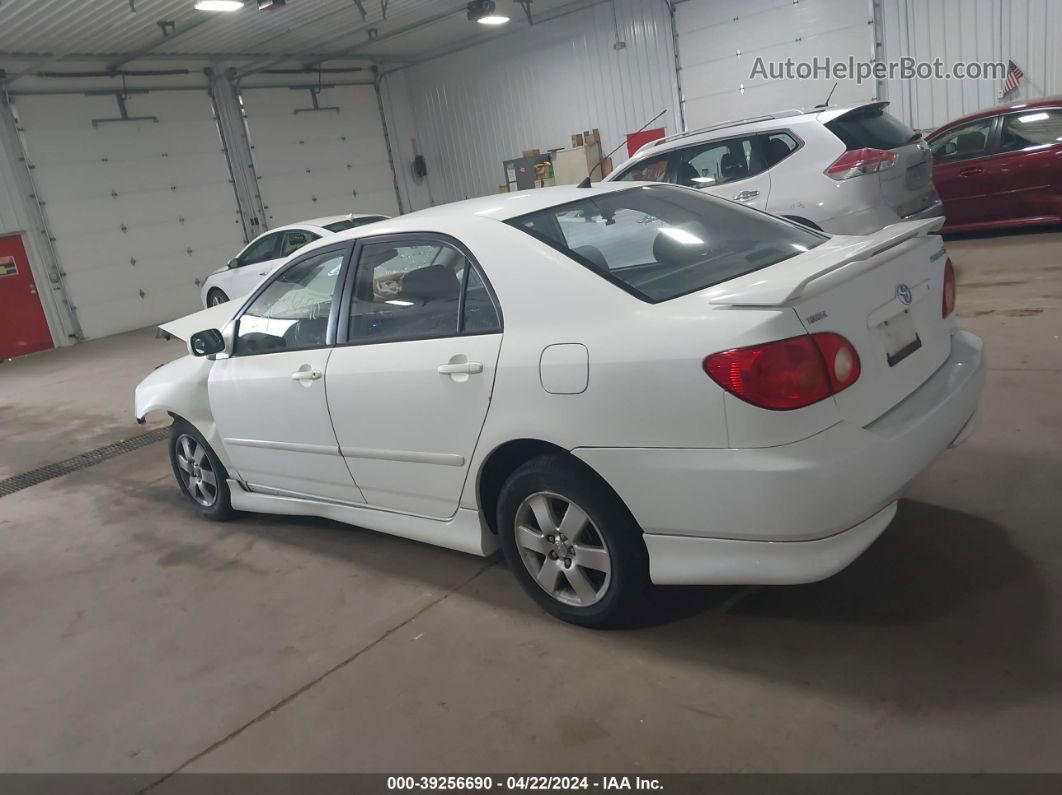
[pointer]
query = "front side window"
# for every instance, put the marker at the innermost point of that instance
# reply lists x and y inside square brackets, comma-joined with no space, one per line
[717,163]
[653,169]
[1032,128]
[260,250]
[292,311]
[295,239]
[659,242]
[965,142]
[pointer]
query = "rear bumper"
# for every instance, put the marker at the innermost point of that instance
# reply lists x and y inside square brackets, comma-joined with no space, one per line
[685,560]
[857,220]
[779,499]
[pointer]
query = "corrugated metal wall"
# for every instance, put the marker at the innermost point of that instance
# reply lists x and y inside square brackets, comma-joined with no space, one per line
[535,87]
[1024,31]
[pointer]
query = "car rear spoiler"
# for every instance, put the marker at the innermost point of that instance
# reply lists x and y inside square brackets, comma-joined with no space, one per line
[214,317]
[838,260]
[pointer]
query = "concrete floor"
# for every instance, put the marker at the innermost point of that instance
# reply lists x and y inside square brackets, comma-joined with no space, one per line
[134,637]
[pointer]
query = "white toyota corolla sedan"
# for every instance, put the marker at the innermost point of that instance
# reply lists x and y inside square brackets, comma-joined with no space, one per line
[616,384]
[268,251]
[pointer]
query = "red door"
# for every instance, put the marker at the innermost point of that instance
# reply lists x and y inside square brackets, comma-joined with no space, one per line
[23,328]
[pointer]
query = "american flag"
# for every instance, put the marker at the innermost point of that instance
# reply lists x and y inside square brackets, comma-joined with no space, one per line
[1014,76]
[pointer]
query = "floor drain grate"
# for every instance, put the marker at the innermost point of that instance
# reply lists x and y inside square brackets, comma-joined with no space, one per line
[41,474]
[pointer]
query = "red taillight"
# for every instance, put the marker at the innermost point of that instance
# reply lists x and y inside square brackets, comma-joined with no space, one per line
[861,161]
[787,374]
[948,302]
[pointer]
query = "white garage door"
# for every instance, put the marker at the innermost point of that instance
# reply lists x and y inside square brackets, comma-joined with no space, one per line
[322,162]
[719,43]
[140,211]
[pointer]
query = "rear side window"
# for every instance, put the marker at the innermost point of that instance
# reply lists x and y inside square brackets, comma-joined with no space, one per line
[659,242]
[717,163]
[777,147]
[1032,128]
[871,128]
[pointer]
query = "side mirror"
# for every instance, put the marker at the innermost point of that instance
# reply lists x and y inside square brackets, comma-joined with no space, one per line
[205,343]
[233,263]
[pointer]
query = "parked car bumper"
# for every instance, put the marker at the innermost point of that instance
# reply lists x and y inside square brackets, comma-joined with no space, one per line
[857,220]
[797,512]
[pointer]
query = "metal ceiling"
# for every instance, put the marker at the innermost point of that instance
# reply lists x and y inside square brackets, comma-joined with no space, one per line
[118,31]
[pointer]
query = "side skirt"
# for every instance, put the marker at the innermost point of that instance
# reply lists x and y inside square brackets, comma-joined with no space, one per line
[463,532]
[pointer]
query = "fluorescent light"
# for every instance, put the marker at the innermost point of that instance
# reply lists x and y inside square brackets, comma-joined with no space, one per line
[704,180]
[397,302]
[681,236]
[493,19]
[218,5]
[1032,117]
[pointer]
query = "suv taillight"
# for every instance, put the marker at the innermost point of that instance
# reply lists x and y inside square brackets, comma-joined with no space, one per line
[948,302]
[787,374]
[861,161]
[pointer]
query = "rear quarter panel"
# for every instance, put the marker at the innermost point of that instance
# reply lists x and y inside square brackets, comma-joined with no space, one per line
[646,385]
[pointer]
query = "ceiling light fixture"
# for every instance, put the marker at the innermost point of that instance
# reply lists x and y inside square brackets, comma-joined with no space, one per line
[218,5]
[483,12]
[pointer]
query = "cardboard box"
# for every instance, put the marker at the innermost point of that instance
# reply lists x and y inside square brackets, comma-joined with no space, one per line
[577,140]
[531,152]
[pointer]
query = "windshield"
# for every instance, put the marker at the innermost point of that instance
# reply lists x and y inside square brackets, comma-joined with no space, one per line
[350,223]
[660,241]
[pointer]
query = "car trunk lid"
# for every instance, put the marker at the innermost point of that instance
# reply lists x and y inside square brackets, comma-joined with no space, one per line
[882,292]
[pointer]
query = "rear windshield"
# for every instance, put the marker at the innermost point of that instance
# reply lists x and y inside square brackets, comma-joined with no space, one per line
[350,223]
[660,241]
[871,128]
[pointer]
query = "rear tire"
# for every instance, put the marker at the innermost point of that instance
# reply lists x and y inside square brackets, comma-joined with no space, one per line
[216,297]
[571,543]
[200,474]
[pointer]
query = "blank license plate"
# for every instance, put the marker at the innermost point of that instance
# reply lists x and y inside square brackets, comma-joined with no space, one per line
[900,338]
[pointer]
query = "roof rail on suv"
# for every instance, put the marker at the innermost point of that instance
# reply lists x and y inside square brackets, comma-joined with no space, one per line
[781,114]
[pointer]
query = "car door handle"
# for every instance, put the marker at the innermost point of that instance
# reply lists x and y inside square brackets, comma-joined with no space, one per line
[465,368]
[306,375]
[969,172]
[745,195]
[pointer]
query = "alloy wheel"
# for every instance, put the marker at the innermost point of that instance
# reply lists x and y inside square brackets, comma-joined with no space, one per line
[196,471]
[562,549]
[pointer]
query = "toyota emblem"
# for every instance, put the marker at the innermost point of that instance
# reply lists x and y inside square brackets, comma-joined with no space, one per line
[903,292]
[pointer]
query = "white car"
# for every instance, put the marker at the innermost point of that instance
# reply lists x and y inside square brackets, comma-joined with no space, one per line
[268,251]
[616,384]
[848,171]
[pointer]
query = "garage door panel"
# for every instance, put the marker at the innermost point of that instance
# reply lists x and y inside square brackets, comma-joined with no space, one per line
[97,249]
[135,207]
[197,205]
[319,163]
[719,43]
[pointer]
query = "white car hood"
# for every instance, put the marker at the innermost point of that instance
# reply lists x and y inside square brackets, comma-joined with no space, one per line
[215,317]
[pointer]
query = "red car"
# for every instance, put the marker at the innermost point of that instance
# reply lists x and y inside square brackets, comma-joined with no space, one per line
[1000,168]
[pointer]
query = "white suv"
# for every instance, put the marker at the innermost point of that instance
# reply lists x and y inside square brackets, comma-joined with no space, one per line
[846,171]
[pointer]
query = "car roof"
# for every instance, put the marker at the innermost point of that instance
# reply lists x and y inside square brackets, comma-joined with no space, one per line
[498,207]
[765,121]
[334,219]
[1049,102]
[504,206]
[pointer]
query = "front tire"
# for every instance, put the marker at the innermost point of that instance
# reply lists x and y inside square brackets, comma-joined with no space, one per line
[571,543]
[200,474]
[216,297]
